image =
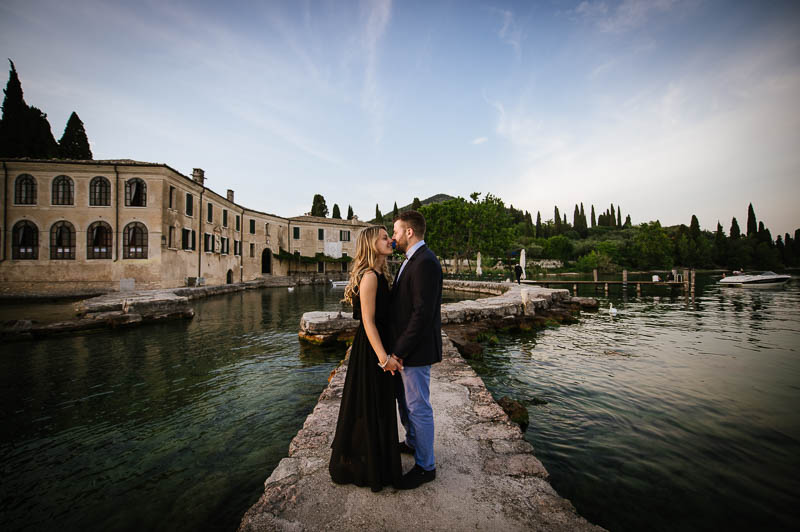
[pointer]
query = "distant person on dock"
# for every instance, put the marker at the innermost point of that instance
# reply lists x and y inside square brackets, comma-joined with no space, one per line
[417,327]
[365,449]
[518,273]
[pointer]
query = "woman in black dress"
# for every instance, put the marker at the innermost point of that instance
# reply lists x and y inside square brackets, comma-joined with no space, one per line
[365,447]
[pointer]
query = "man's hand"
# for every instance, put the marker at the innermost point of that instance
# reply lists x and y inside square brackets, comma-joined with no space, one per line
[399,361]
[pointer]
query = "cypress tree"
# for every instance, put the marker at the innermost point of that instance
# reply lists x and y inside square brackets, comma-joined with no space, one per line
[557,220]
[378,215]
[538,224]
[694,228]
[395,212]
[318,206]
[628,221]
[752,226]
[349,212]
[73,143]
[594,219]
[24,130]
[611,214]
[735,232]
[416,204]
[336,214]
[619,217]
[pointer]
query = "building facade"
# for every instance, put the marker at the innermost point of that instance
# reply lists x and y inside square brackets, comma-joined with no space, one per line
[72,227]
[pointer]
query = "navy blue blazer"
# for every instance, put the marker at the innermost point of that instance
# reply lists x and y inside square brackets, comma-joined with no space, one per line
[417,310]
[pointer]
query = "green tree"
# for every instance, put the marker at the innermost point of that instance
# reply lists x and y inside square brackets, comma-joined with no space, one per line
[557,220]
[416,204]
[752,226]
[349,212]
[652,247]
[336,214]
[558,247]
[395,212]
[619,217]
[736,233]
[538,224]
[24,130]
[378,215]
[594,219]
[628,223]
[318,206]
[719,251]
[73,143]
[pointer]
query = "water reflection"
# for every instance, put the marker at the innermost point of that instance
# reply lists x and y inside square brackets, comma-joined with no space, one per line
[168,426]
[667,416]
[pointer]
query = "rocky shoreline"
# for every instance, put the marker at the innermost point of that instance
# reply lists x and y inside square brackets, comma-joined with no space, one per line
[130,308]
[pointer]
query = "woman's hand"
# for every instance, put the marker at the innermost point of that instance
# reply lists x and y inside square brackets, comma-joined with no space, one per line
[392,365]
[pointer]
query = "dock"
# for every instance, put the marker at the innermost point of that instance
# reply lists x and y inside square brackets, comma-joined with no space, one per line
[487,476]
[685,282]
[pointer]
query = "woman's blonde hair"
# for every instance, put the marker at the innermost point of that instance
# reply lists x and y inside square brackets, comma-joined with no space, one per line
[365,259]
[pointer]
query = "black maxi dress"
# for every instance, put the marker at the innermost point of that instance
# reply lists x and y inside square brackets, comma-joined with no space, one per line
[365,446]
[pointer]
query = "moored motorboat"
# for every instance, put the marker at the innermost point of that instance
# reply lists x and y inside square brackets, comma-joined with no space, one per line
[756,280]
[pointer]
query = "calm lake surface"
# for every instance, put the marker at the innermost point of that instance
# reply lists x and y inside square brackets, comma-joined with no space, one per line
[671,415]
[169,426]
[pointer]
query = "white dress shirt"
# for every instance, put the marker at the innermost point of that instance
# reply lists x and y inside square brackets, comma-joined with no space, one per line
[409,253]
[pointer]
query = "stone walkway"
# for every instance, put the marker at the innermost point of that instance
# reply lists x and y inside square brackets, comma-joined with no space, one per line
[487,476]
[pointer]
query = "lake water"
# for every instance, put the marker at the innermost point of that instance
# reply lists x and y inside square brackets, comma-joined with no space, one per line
[169,426]
[671,415]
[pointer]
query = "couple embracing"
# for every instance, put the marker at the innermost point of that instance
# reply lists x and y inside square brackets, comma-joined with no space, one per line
[398,339]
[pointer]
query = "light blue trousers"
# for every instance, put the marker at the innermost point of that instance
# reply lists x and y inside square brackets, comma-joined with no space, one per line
[416,413]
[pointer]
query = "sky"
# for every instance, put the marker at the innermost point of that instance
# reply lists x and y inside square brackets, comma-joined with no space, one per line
[667,108]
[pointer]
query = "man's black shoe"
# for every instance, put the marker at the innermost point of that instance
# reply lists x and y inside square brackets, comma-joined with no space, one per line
[404,448]
[416,477]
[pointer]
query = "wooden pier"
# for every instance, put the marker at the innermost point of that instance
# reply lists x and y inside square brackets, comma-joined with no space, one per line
[685,281]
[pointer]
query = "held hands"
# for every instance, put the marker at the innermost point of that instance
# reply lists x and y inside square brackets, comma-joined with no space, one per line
[394,363]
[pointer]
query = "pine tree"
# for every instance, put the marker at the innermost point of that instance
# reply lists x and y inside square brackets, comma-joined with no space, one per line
[416,204]
[752,226]
[24,130]
[594,219]
[73,143]
[395,212]
[538,224]
[336,214]
[349,212]
[318,207]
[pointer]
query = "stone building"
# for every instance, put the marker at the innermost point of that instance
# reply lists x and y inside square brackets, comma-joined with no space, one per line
[75,227]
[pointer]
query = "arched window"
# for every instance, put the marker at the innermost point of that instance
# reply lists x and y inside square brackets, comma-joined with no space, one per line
[63,190]
[99,240]
[25,243]
[135,193]
[134,241]
[62,241]
[25,190]
[99,191]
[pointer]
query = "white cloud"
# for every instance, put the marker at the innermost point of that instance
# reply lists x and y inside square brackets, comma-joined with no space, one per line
[480,140]
[378,18]
[627,15]
[510,32]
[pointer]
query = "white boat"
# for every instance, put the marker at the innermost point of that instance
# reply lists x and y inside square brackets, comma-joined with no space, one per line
[339,284]
[755,280]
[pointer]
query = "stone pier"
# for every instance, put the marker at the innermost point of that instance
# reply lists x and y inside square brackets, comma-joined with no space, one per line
[487,475]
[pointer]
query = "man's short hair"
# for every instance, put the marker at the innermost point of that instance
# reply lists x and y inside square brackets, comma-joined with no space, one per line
[414,220]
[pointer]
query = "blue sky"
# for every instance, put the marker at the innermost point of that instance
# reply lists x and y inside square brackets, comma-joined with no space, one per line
[667,108]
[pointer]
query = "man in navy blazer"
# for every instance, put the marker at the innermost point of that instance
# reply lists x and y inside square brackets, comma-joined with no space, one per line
[417,326]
